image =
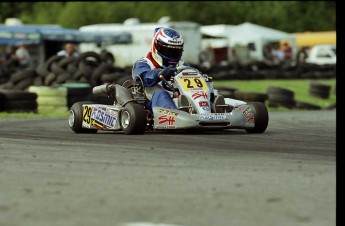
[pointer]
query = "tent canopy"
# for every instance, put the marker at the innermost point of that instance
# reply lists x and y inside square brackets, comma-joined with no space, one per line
[34,34]
[246,33]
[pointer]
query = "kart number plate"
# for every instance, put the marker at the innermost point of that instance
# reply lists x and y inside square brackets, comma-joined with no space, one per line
[193,83]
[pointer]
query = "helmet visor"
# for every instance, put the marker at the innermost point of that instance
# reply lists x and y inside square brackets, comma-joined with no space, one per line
[170,51]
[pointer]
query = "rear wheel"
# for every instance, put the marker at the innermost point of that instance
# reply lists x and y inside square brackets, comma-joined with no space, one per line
[75,118]
[133,119]
[261,118]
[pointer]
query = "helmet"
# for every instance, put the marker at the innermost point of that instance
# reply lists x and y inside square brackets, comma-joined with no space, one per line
[167,46]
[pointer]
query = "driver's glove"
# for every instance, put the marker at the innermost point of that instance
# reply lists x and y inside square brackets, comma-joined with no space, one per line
[168,72]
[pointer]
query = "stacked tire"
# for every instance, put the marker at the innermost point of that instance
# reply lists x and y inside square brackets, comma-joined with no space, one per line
[18,101]
[319,90]
[20,80]
[50,98]
[89,67]
[280,97]
[77,92]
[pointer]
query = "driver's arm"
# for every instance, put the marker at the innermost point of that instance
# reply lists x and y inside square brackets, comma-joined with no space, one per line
[148,75]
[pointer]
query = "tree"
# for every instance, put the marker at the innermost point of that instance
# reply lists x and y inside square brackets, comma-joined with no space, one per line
[288,16]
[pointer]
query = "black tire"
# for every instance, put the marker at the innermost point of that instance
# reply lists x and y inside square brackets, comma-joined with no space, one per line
[133,119]
[261,118]
[50,61]
[84,56]
[25,83]
[319,90]
[281,91]
[49,79]
[10,95]
[63,77]
[66,61]
[72,68]
[21,75]
[42,71]
[56,69]
[21,106]
[107,57]
[307,106]
[75,119]
[101,69]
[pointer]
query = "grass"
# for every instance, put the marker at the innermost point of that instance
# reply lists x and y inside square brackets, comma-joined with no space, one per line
[300,87]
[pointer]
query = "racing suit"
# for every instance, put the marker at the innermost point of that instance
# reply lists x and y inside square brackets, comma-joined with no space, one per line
[147,69]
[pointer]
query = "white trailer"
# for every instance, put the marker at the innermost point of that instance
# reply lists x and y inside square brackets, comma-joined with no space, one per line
[142,34]
[247,41]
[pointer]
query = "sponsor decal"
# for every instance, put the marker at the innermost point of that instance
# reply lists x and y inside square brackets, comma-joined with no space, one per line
[103,117]
[196,89]
[166,112]
[212,117]
[96,124]
[197,95]
[166,119]
[205,108]
[176,42]
[203,104]
[87,114]
[189,73]
[189,83]
[250,117]
[247,111]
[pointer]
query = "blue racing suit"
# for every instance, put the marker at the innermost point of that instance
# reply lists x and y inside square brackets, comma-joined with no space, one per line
[147,69]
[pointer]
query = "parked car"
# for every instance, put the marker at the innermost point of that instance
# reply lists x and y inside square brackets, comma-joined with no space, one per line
[322,54]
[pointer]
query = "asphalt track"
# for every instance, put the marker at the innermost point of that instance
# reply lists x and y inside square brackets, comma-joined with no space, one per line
[285,176]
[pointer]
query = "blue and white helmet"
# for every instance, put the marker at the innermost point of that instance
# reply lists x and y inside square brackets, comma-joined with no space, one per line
[167,46]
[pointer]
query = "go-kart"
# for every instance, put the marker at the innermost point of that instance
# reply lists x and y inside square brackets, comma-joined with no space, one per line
[198,107]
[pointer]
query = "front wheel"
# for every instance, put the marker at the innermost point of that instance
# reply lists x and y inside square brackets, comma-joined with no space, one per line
[133,119]
[261,118]
[75,118]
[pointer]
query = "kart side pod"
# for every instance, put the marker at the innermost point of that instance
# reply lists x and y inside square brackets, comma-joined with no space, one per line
[122,94]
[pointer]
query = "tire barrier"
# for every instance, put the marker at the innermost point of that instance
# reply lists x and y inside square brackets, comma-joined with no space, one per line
[77,92]
[280,97]
[306,106]
[20,80]
[250,96]
[50,98]
[18,101]
[263,71]
[89,67]
[319,90]
[94,69]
